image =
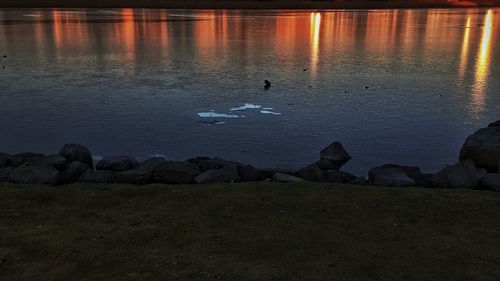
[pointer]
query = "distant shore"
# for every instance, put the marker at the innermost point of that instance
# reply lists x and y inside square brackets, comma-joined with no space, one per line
[242,4]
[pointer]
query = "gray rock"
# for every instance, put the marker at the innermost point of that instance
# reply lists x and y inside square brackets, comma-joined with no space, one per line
[333,157]
[359,181]
[116,163]
[495,124]
[224,174]
[176,172]
[249,173]
[483,148]
[98,176]
[18,159]
[74,172]
[414,173]
[206,163]
[5,173]
[491,181]
[143,174]
[460,175]
[280,177]
[35,172]
[393,177]
[59,162]
[335,176]
[269,172]
[5,159]
[76,152]
[311,173]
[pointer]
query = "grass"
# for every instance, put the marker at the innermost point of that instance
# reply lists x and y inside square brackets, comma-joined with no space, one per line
[250,231]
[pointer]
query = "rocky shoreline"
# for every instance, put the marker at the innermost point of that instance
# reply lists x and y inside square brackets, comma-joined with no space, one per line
[478,168]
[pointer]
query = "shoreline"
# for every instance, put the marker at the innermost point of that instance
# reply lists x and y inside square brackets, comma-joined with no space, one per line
[478,168]
[246,4]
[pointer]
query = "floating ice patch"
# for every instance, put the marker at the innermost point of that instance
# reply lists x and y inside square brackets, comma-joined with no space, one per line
[246,106]
[31,15]
[270,112]
[218,115]
[268,108]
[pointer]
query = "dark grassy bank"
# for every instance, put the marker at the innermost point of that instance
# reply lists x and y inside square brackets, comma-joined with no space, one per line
[254,231]
[241,4]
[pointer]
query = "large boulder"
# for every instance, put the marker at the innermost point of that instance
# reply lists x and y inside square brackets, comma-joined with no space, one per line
[98,176]
[483,148]
[73,172]
[311,173]
[249,173]
[388,171]
[335,176]
[5,173]
[35,172]
[359,181]
[207,163]
[460,175]
[19,158]
[316,174]
[58,161]
[224,174]
[143,174]
[116,163]
[5,159]
[490,181]
[76,152]
[333,157]
[280,177]
[269,172]
[175,172]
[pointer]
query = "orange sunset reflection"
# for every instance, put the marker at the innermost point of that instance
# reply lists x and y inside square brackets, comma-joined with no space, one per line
[314,34]
[482,65]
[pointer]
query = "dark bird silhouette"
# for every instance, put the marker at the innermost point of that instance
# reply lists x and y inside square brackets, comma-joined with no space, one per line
[268,84]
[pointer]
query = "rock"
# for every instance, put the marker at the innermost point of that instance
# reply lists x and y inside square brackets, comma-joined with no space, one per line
[359,181]
[461,175]
[333,157]
[335,176]
[35,172]
[59,162]
[207,163]
[117,163]
[5,160]
[143,174]
[495,124]
[74,172]
[18,159]
[176,172]
[269,172]
[311,173]
[249,173]
[98,176]
[491,181]
[76,152]
[5,173]
[414,173]
[280,177]
[483,148]
[393,178]
[224,174]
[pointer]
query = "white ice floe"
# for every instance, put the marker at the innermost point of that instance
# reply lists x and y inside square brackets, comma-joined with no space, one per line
[246,106]
[218,115]
[270,112]
[268,108]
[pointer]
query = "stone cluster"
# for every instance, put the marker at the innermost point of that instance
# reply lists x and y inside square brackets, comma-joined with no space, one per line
[478,167]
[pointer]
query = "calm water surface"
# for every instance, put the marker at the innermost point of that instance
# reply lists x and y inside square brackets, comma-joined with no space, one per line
[400,86]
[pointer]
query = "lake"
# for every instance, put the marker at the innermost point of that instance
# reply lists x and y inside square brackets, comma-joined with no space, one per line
[393,86]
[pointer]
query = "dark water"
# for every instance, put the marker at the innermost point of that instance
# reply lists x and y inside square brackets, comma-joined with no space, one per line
[400,86]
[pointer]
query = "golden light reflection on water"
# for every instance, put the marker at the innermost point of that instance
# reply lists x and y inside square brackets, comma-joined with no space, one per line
[315,26]
[465,48]
[482,65]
